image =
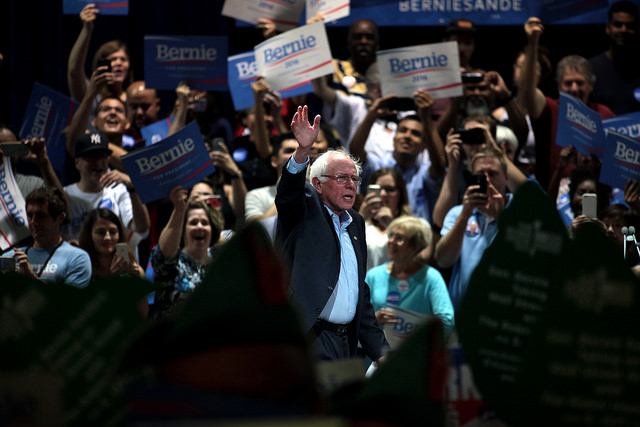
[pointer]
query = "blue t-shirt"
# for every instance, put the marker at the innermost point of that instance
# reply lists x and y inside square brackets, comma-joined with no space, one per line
[68,264]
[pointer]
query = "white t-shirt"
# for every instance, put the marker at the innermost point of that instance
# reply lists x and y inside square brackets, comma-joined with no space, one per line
[259,200]
[115,199]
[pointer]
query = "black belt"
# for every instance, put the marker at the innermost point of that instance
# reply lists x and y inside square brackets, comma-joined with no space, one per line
[339,330]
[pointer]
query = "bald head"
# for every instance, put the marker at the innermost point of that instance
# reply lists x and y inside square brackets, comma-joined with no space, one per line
[143,105]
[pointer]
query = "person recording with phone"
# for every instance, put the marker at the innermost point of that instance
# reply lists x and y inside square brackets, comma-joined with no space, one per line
[483,92]
[476,133]
[469,228]
[386,200]
[112,56]
[101,234]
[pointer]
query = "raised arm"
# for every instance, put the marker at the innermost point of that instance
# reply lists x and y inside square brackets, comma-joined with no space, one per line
[80,119]
[222,159]
[305,133]
[181,108]
[325,92]
[530,96]
[377,109]
[38,148]
[76,78]
[517,118]
[430,137]
[260,131]
[171,234]
[448,196]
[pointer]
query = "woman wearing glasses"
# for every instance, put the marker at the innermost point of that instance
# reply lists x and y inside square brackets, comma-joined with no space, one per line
[406,283]
[379,208]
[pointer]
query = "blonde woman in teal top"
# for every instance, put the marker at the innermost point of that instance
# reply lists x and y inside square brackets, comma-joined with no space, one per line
[404,281]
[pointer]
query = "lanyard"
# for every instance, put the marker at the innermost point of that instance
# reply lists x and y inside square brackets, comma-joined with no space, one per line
[42,268]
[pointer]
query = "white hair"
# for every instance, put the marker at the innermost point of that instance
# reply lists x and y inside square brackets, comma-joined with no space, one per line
[505,134]
[321,163]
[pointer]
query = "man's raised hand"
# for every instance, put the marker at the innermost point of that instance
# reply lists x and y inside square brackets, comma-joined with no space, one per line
[305,134]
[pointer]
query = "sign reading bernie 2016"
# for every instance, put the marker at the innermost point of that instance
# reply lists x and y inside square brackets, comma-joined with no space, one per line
[435,67]
[201,61]
[294,58]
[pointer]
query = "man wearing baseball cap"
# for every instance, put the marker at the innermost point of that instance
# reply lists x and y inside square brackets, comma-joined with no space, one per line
[100,187]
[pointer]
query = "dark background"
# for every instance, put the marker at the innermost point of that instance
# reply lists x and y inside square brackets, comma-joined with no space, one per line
[36,40]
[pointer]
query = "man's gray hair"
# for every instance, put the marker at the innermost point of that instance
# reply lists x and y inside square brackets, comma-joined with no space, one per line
[575,62]
[321,163]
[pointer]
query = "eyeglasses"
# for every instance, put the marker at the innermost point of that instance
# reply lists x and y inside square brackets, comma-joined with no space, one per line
[389,188]
[398,238]
[342,179]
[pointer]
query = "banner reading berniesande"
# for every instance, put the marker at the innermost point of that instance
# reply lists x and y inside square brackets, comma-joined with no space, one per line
[181,159]
[199,60]
[294,58]
[435,67]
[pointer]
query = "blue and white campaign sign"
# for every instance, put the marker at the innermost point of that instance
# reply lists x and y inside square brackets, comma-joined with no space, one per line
[435,67]
[294,58]
[627,124]
[285,14]
[242,72]
[107,7]
[331,10]
[156,132]
[48,113]
[621,160]
[181,159]
[580,126]
[199,60]
[13,215]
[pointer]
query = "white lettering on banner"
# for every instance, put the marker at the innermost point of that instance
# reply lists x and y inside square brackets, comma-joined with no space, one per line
[275,54]
[413,64]
[43,109]
[628,155]
[7,198]
[575,116]
[460,6]
[153,163]
[165,53]
[632,131]
[247,69]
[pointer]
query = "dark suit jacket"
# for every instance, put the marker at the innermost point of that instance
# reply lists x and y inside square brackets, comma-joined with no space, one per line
[309,243]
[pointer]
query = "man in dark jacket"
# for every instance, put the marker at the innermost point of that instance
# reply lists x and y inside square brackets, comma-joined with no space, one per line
[323,239]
